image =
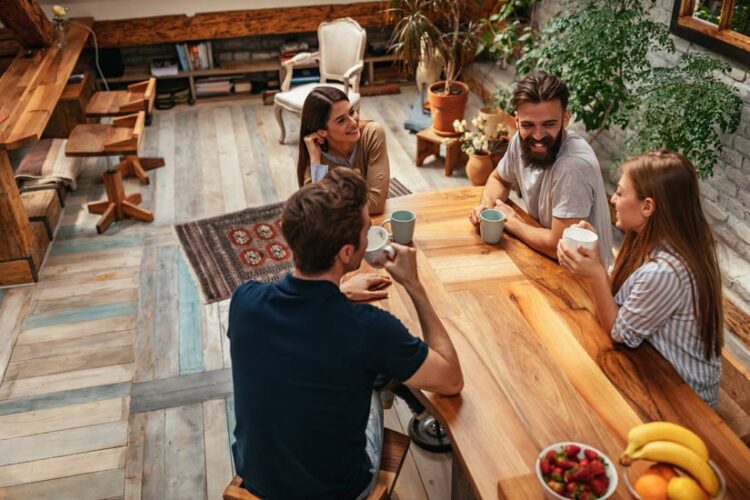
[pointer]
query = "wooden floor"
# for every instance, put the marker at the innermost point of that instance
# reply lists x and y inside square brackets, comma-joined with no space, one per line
[116,379]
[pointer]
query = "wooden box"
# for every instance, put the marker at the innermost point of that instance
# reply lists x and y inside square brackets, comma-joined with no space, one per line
[71,108]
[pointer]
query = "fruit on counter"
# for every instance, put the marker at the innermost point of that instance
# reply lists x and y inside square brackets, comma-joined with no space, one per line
[573,473]
[651,487]
[664,470]
[643,434]
[679,455]
[684,488]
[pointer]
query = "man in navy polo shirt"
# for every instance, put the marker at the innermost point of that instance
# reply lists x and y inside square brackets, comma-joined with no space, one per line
[304,357]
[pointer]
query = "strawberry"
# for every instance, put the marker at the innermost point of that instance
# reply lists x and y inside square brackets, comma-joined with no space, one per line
[583,474]
[599,485]
[556,486]
[572,450]
[551,456]
[557,474]
[566,464]
[583,461]
[597,468]
[545,466]
[585,495]
[570,487]
[591,455]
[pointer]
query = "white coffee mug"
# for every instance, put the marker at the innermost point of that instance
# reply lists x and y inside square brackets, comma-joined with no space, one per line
[491,225]
[378,249]
[575,236]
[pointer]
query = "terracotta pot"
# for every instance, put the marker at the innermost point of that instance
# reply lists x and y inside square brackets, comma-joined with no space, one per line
[446,109]
[492,117]
[478,168]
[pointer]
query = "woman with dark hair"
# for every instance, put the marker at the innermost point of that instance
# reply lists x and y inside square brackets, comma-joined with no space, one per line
[332,135]
[665,280]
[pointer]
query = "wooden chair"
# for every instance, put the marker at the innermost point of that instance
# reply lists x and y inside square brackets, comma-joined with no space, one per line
[138,97]
[395,447]
[121,137]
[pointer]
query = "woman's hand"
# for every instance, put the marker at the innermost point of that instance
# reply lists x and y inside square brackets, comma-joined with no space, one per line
[313,142]
[581,261]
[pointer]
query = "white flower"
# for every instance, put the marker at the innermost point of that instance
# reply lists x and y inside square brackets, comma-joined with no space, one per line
[477,143]
[475,122]
[470,151]
[59,10]
[457,125]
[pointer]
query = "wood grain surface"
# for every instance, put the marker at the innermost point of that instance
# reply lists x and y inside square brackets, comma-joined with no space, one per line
[538,367]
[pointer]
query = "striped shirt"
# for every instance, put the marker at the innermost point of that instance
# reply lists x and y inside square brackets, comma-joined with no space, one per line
[656,305]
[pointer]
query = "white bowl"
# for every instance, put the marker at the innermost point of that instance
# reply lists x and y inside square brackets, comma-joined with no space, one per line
[719,496]
[611,470]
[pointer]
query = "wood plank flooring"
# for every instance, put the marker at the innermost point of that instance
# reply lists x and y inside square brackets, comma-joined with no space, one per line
[115,378]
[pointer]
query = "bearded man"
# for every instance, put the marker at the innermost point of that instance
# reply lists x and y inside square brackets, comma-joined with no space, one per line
[555,170]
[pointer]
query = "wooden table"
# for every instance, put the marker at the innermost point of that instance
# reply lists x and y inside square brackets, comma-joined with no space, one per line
[537,366]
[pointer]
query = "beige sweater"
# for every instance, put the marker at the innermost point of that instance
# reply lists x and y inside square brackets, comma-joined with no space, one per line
[371,161]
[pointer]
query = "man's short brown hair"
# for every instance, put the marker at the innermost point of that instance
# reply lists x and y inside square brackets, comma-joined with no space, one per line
[540,87]
[322,217]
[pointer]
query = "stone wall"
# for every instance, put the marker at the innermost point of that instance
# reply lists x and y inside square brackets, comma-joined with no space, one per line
[726,196]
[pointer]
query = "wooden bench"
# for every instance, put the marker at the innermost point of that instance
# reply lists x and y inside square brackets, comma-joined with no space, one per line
[734,401]
[395,447]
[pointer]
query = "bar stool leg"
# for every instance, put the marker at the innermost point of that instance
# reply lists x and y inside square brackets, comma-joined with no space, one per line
[137,166]
[118,205]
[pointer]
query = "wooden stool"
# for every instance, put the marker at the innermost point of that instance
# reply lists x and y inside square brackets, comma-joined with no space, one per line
[395,447]
[428,143]
[122,137]
[138,97]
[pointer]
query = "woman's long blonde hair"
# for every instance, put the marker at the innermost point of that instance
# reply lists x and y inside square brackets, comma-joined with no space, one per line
[678,227]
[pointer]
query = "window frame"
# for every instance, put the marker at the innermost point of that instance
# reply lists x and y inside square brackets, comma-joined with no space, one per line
[722,39]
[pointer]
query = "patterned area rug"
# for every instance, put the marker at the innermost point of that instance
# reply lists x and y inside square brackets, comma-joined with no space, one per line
[230,249]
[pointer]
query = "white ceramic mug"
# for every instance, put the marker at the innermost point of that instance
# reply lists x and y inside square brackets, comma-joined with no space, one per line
[491,225]
[575,236]
[378,249]
[402,224]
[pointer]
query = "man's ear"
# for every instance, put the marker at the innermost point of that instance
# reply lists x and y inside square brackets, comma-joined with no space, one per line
[346,254]
[648,206]
[566,118]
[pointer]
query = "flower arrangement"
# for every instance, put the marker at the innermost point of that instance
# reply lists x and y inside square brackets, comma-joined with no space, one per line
[59,17]
[480,141]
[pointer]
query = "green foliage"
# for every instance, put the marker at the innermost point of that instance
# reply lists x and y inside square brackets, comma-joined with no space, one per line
[509,33]
[686,108]
[599,48]
[741,17]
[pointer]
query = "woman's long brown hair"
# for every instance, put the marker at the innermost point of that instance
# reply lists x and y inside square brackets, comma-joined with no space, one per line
[678,227]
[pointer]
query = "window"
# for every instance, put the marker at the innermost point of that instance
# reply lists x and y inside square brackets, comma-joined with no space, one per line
[722,26]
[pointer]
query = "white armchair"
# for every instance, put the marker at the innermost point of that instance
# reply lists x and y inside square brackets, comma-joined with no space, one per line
[340,58]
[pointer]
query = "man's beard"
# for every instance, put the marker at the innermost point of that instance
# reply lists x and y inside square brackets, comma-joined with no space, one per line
[541,160]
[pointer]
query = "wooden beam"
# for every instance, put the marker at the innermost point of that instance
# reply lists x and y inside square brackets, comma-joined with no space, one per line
[16,238]
[29,23]
[727,11]
[231,24]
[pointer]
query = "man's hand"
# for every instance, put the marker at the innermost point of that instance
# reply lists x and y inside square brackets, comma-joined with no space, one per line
[510,215]
[403,265]
[366,286]
[474,215]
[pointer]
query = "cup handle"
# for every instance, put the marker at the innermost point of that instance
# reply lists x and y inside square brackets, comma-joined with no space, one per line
[387,221]
[390,251]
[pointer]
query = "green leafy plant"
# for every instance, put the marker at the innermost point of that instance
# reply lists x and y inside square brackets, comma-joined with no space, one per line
[501,98]
[600,49]
[509,33]
[432,26]
[686,108]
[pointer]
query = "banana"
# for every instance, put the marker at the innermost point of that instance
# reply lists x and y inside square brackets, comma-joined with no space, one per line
[681,456]
[665,431]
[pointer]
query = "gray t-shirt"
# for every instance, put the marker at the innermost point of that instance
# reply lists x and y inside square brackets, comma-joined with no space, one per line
[571,188]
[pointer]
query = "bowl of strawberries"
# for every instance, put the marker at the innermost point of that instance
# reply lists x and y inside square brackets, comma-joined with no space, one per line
[575,470]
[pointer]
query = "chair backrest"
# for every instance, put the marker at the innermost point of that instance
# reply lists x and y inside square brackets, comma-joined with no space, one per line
[341,45]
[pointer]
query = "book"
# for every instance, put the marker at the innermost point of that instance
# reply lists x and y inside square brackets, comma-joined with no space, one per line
[183,56]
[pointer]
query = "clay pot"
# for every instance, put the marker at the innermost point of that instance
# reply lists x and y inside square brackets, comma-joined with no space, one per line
[446,109]
[478,168]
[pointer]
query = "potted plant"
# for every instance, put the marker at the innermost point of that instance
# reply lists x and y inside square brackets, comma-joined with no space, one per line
[436,27]
[485,146]
[509,33]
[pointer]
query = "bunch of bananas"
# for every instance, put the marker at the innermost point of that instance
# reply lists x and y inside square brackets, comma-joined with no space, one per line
[673,444]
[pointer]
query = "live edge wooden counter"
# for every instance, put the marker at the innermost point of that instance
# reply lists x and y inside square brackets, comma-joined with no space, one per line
[537,366]
[29,91]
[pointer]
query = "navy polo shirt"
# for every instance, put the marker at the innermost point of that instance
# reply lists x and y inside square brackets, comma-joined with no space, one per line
[303,363]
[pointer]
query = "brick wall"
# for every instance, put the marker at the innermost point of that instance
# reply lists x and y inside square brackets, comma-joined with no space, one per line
[726,196]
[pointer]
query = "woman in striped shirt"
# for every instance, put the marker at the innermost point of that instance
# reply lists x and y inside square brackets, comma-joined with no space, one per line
[666,281]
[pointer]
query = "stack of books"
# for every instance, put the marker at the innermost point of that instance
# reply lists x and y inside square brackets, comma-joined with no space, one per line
[212,87]
[195,56]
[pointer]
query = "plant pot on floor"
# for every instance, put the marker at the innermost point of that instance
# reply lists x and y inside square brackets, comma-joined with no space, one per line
[446,109]
[478,168]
